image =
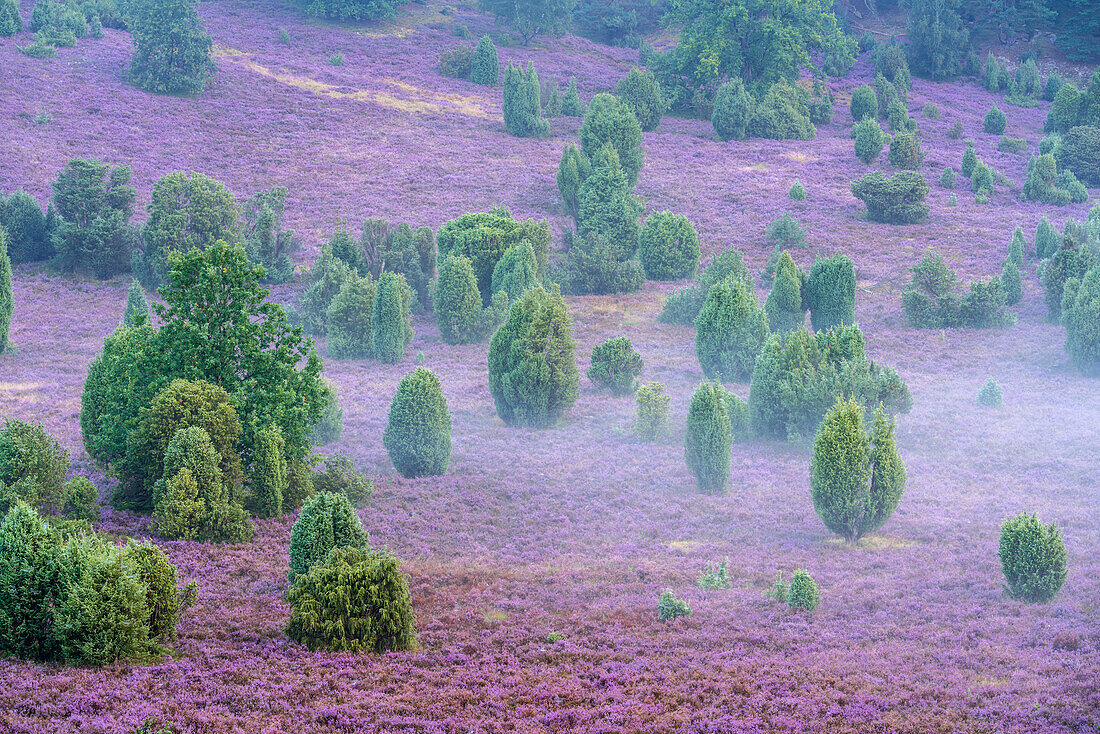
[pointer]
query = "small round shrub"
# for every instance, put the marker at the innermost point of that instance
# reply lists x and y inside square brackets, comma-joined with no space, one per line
[1033,558]
[28,453]
[895,200]
[990,394]
[869,140]
[671,607]
[947,178]
[668,247]
[708,439]
[641,92]
[484,65]
[355,600]
[798,191]
[785,231]
[802,593]
[864,103]
[457,62]
[730,330]
[651,417]
[981,182]
[995,122]
[733,110]
[340,476]
[418,430]
[616,365]
[22,218]
[327,521]
[905,152]
[782,114]
[931,111]
[80,500]
[1065,110]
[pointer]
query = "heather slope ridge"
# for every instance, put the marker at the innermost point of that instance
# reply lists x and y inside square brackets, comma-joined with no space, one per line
[576,530]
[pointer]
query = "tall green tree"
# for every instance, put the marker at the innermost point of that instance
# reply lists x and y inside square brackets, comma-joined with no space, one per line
[708,438]
[7,301]
[609,120]
[939,43]
[532,18]
[94,204]
[391,318]
[522,107]
[418,430]
[607,206]
[172,51]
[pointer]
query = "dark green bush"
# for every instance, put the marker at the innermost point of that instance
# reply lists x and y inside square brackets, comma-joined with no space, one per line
[1081,315]
[10,20]
[532,371]
[797,191]
[326,278]
[1065,112]
[610,121]
[782,114]
[947,178]
[642,94]
[671,607]
[981,182]
[30,585]
[864,103]
[1011,283]
[349,319]
[269,478]
[651,417]
[341,477]
[172,52]
[485,237]
[734,108]
[572,171]
[730,330]
[391,318]
[1079,152]
[803,593]
[905,152]
[708,439]
[606,205]
[137,308]
[785,231]
[668,247]
[484,65]
[931,301]
[895,200]
[829,292]
[571,102]
[995,122]
[264,238]
[869,140]
[327,521]
[955,131]
[1072,259]
[784,306]
[990,394]
[969,162]
[592,265]
[458,62]
[28,453]
[682,306]
[616,365]
[522,108]
[1033,558]
[516,271]
[352,9]
[1047,241]
[399,249]
[457,302]
[80,500]
[897,114]
[94,204]
[28,238]
[418,431]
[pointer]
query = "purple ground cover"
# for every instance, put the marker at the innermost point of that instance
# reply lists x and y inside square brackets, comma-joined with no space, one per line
[576,530]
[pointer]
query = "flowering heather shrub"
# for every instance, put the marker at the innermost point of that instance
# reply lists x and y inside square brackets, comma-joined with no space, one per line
[341,477]
[171,48]
[869,140]
[570,101]
[532,370]
[864,103]
[995,122]
[391,318]
[990,394]
[785,231]
[668,247]
[94,207]
[1072,259]
[797,191]
[572,171]
[1081,315]
[1079,153]
[733,111]
[355,600]
[856,479]
[485,66]
[522,108]
[29,454]
[829,292]
[895,200]
[642,94]
[682,306]
[616,365]
[327,521]
[651,417]
[1066,110]
[458,62]
[670,607]
[28,239]
[349,319]
[1047,240]
[708,439]
[418,430]
[485,237]
[1033,558]
[905,152]
[730,330]
[738,412]
[610,121]
[268,480]
[1011,283]
[606,205]
[782,114]
[784,305]
[802,593]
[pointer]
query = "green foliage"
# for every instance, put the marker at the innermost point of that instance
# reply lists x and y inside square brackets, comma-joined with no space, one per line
[94,205]
[325,280]
[931,301]
[1011,283]
[782,114]
[1047,240]
[269,479]
[485,66]
[485,237]
[418,431]
[350,318]
[802,593]
[327,521]
[458,62]
[1071,260]
[990,394]
[1079,152]
[1016,247]
[864,103]
[897,114]
[734,108]
[1065,111]
[969,162]
[995,122]
[572,171]
[651,417]
[947,178]
[829,292]
[797,191]
[165,602]
[682,306]
[457,301]
[266,242]
[784,305]
[981,182]
[779,590]
[870,140]
[730,330]
[1033,558]
[1081,315]
[610,121]
[708,439]
[955,131]
[1011,145]
[668,247]
[28,237]
[716,578]
[341,477]
[532,370]
[616,365]
[738,412]
[516,271]
[391,318]
[931,111]
[137,308]
[939,42]
[533,17]
[642,94]
[80,500]
[10,20]
[331,424]
[895,200]
[7,299]
[670,607]
[905,152]
[785,231]
[890,61]
[172,52]
[606,205]
[352,9]
[29,454]
[30,586]
[522,108]
[856,479]
[571,102]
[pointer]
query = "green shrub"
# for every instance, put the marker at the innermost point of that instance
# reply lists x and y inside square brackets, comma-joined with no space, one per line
[1047,240]
[784,305]
[864,103]
[391,318]
[515,272]
[1033,558]
[1072,259]
[738,412]
[730,330]
[947,178]
[969,162]
[94,204]
[1011,283]
[785,231]
[905,152]
[458,62]
[990,394]
[349,319]
[829,292]
[137,308]
[610,121]
[884,94]
[802,593]
[572,171]
[931,111]
[1011,145]
[895,200]
[856,479]
[782,114]
[897,114]
[682,306]
[890,61]
[418,430]
[522,108]
[532,370]
[165,602]
[484,65]
[28,453]
[485,237]
[1079,152]
[327,521]
[616,365]
[403,251]
[341,477]
[669,607]
[571,102]
[10,20]
[981,182]
[80,500]
[606,205]
[797,191]
[1081,315]
[734,108]
[269,479]
[28,238]
[1052,86]
[955,131]
[457,301]
[350,10]
[265,240]
[326,278]
[651,419]
[172,52]
[331,424]
[642,94]
[7,299]
[29,585]
[1065,111]
[995,122]
[355,600]
[931,301]
[668,247]
[708,439]
[716,578]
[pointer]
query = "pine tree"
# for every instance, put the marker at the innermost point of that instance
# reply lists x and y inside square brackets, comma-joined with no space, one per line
[137,308]
[522,107]
[1011,282]
[610,121]
[830,292]
[572,171]
[458,302]
[516,272]
[171,49]
[571,102]
[418,430]
[1016,247]
[1081,314]
[840,471]
[708,439]
[485,66]
[1046,240]
[784,303]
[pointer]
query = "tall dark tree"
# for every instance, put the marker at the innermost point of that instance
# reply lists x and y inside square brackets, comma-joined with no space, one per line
[171,48]
[938,41]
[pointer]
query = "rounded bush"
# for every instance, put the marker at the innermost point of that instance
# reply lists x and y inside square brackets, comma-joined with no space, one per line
[869,140]
[484,237]
[802,593]
[22,218]
[327,521]
[348,319]
[995,122]
[708,439]
[641,92]
[895,200]
[418,431]
[733,110]
[990,394]
[616,365]
[1079,153]
[341,477]
[1065,111]
[163,600]
[864,103]
[730,330]
[28,585]
[606,205]
[172,51]
[28,453]
[80,500]
[610,120]
[785,231]
[669,606]
[668,247]
[797,191]
[458,301]
[1033,558]
[355,600]
[484,64]
[651,417]
[947,178]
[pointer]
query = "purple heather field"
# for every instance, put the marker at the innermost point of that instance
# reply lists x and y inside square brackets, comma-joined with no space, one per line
[576,530]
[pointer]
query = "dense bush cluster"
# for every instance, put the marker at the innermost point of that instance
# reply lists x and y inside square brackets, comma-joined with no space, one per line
[352,9]
[683,306]
[172,52]
[485,237]
[931,301]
